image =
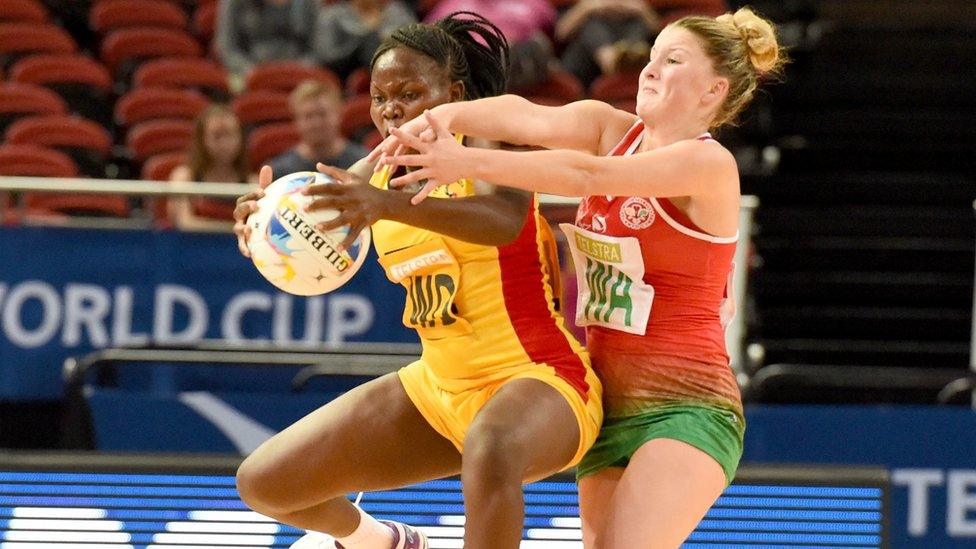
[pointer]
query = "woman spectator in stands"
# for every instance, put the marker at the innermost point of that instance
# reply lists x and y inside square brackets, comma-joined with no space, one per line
[597,33]
[216,155]
[348,32]
[253,31]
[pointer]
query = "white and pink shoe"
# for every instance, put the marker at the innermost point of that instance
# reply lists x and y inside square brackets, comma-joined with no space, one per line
[404,537]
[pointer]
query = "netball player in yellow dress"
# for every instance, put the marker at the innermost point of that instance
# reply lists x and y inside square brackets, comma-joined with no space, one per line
[502,393]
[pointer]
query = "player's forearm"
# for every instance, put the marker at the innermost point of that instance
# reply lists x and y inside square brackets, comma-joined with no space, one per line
[487,220]
[557,172]
[500,118]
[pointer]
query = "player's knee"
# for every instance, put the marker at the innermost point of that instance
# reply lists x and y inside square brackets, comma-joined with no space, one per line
[259,489]
[492,455]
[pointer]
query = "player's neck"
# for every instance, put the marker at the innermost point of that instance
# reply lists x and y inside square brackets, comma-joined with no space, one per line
[662,135]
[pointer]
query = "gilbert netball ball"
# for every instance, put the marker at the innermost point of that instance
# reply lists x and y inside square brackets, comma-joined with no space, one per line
[290,251]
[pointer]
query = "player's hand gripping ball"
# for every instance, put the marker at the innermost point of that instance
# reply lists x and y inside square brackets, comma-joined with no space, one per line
[289,251]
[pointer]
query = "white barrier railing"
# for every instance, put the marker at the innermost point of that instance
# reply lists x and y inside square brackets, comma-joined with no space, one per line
[735,334]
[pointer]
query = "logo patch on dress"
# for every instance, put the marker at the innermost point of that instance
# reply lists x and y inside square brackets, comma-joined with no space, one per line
[636,213]
[599,223]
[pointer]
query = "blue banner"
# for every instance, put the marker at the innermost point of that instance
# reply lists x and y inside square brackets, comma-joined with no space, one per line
[929,451]
[64,292]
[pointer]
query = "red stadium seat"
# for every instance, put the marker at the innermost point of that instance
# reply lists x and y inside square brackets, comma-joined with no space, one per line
[34,160]
[205,20]
[287,75]
[213,208]
[83,82]
[143,43]
[269,141]
[23,11]
[108,15]
[88,143]
[181,72]
[18,100]
[615,86]
[357,83]
[255,108]
[158,136]
[19,39]
[61,69]
[629,105]
[143,104]
[561,85]
[355,122]
[159,167]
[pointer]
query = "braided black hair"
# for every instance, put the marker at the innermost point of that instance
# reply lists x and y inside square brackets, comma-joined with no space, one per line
[470,47]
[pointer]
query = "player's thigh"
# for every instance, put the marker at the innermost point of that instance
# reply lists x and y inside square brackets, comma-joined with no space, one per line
[595,497]
[527,423]
[370,438]
[662,496]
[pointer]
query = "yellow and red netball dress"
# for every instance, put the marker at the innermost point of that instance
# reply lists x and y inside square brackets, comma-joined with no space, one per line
[485,315]
[654,298]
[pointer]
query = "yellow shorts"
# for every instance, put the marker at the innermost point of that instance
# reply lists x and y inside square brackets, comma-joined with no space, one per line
[451,412]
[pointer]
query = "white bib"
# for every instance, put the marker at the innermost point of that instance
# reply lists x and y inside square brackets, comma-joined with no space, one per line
[610,275]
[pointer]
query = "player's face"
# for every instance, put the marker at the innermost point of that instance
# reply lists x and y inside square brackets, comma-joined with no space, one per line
[222,137]
[678,78]
[403,84]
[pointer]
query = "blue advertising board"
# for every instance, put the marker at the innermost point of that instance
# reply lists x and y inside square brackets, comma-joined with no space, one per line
[64,292]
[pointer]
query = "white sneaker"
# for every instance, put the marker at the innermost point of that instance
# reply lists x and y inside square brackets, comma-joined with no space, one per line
[315,540]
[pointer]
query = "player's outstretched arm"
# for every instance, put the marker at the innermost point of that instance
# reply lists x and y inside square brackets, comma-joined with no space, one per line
[492,219]
[580,126]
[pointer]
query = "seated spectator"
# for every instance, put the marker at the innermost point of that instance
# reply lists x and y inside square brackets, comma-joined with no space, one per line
[215,155]
[253,31]
[598,32]
[526,25]
[350,31]
[317,107]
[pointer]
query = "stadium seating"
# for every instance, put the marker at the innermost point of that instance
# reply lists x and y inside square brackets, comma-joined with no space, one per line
[286,76]
[615,86]
[87,142]
[142,104]
[203,75]
[84,83]
[158,136]
[159,167]
[270,140]
[18,100]
[124,48]
[355,122]
[23,11]
[108,15]
[561,85]
[20,39]
[205,20]
[255,108]
[357,83]
[34,160]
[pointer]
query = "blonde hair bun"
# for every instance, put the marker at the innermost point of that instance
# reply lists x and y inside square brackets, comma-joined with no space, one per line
[759,36]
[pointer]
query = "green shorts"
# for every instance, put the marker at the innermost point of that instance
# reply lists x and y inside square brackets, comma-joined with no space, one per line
[715,431]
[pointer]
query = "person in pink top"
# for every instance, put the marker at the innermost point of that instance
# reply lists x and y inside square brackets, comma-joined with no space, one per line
[526,24]
[653,244]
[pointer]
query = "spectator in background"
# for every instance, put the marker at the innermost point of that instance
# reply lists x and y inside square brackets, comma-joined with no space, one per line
[350,31]
[316,106]
[253,31]
[216,155]
[598,33]
[526,24]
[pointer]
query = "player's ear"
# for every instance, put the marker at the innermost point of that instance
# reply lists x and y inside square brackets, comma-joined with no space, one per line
[457,90]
